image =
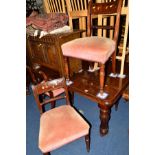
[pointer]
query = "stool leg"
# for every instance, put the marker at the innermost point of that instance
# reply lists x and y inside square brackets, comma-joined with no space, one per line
[87,140]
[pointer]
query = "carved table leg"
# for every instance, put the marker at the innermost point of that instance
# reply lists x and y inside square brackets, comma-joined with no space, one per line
[104,117]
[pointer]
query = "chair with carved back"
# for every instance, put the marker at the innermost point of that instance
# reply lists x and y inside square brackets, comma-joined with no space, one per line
[61,125]
[100,50]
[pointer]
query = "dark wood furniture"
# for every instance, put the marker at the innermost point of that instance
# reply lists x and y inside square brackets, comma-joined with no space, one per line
[62,124]
[126,94]
[46,52]
[87,85]
[95,85]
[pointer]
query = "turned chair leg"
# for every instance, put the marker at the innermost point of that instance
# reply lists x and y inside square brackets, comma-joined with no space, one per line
[66,68]
[102,72]
[87,140]
[114,62]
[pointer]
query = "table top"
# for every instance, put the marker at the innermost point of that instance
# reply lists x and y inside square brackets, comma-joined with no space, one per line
[87,84]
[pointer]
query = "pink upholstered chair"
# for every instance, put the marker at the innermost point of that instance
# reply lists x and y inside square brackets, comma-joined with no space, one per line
[60,125]
[94,48]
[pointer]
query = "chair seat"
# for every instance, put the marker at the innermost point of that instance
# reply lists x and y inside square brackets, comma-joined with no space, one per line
[60,126]
[96,49]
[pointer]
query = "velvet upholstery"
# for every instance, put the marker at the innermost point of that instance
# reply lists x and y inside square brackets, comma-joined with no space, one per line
[60,126]
[96,49]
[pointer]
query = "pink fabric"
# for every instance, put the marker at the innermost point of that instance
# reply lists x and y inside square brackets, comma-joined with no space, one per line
[97,49]
[48,21]
[60,126]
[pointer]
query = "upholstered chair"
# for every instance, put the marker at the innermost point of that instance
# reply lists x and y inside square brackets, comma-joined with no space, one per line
[60,125]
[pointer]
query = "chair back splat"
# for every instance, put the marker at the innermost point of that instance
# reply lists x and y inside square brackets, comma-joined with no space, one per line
[48,87]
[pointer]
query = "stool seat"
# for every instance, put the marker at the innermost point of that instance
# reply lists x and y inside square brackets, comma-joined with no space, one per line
[96,49]
[60,126]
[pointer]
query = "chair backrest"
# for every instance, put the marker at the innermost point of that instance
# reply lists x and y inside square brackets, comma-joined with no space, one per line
[107,9]
[54,6]
[36,75]
[48,87]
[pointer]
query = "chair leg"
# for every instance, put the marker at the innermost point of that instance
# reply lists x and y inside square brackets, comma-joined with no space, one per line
[71,97]
[114,62]
[66,68]
[48,153]
[53,103]
[116,106]
[102,78]
[87,140]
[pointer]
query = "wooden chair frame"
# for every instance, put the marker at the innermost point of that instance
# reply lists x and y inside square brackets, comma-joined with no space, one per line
[49,86]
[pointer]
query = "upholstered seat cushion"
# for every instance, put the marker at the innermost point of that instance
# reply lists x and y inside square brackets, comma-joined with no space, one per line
[97,49]
[60,126]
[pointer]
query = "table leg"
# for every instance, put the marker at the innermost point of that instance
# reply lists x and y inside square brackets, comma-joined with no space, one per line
[104,117]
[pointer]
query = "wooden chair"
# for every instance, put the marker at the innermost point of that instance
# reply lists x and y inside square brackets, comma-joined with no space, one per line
[54,6]
[97,49]
[62,124]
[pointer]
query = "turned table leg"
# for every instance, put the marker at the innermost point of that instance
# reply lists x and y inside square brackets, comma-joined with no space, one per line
[104,117]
